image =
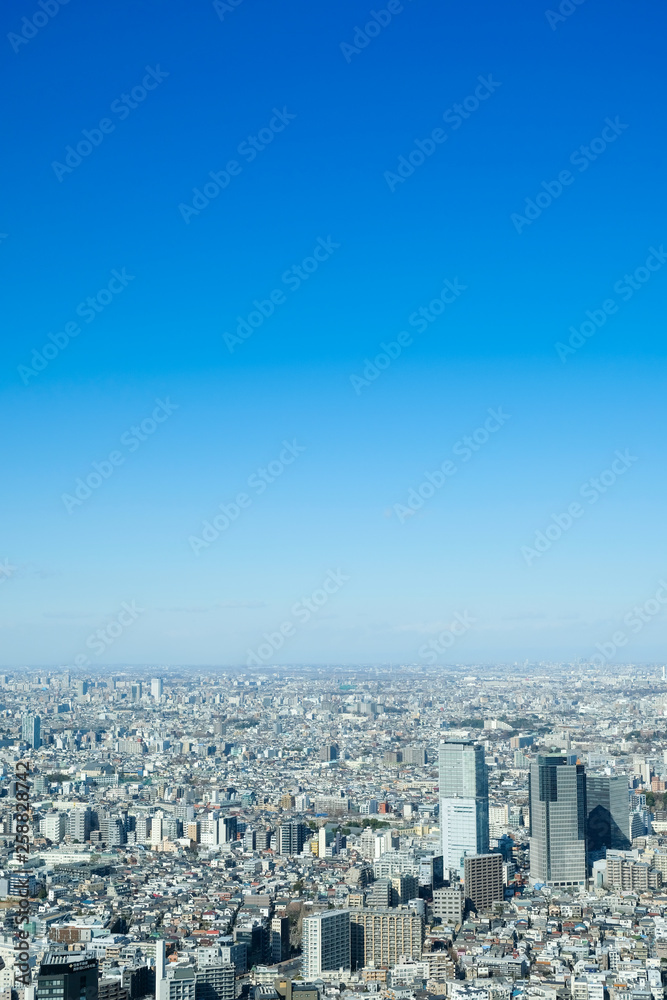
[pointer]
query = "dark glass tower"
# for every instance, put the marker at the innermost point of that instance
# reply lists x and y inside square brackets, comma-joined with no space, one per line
[608,814]
[557,796]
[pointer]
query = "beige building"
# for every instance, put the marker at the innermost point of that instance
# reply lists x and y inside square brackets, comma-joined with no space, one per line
[380,937]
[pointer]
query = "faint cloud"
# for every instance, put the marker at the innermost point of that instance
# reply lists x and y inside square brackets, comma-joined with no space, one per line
[206,609]
[242,604]
[69,615]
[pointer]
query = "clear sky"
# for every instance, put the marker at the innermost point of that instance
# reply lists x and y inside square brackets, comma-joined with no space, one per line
[215,215]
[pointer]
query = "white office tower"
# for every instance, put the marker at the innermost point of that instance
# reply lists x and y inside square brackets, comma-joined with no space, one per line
[464,803]
[156,688]
[326,943]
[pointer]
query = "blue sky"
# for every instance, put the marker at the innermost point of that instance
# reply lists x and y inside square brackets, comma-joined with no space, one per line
[311,212]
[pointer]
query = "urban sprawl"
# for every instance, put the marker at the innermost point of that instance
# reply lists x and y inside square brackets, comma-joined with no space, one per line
[473,833]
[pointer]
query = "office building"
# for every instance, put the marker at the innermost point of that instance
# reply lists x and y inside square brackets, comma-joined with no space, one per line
[557,803]
[15,884]
[79,824]
[326,943]
[464,802]
[380,936]
[448,905]
[483,880]
[66,978]
[607,814]
[80,688]
[31,726]
[279,938]
[156,688]
[292,837]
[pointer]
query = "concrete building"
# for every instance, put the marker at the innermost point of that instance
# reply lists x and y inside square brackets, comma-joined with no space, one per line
[448,905]
[326,943]
[380,936]
[215,982]
[292,837]
[483,880]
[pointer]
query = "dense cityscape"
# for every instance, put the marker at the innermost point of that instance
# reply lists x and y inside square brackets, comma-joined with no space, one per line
[482,833]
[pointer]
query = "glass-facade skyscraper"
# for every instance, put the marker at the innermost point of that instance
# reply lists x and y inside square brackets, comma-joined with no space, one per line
[464,802]
[557,797]
[608,813]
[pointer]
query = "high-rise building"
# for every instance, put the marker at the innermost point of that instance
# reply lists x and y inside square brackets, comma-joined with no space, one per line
[80,688]
[292,837]
[326,943]
[380,936]
[156,688]
[215,981]
[31,727]
[464,802]
[483,880]
[53,826]
[67,978]
[279,944]
[607,813]
[557,800]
